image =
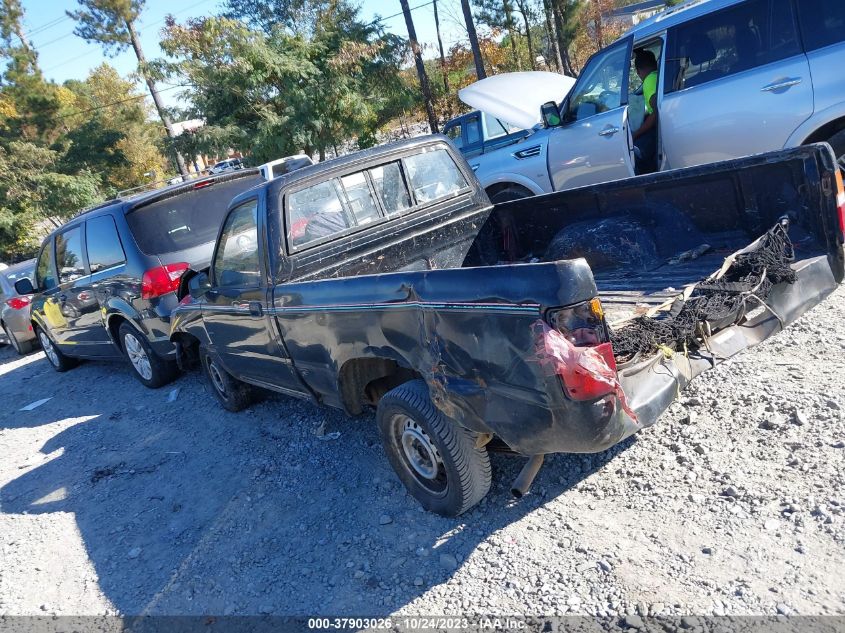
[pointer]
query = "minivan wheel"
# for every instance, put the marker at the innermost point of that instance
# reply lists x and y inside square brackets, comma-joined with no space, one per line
[58,360]
[436,459]
[232,394]
[150,369]
[22,348]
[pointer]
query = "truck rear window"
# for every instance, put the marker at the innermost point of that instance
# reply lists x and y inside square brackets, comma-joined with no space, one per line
[185,220]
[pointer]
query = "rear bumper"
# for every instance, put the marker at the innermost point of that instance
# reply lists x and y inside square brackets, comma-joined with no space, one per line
[543,420]
[18,322]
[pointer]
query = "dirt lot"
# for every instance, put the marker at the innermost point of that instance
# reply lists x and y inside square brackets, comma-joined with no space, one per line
[114,500]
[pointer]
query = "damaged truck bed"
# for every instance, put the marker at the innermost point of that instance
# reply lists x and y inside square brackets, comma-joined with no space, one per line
[560,323]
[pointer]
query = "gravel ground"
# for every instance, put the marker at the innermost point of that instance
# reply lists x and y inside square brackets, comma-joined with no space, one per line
[115,500]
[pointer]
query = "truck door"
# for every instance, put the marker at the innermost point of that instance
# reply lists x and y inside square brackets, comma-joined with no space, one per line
[591,145]
[235,313]
[75,299]
[736,83]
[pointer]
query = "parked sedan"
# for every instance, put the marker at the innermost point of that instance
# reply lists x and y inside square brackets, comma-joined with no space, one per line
[14,308]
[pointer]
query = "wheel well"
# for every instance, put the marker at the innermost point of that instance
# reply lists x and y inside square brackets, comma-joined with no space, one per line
[826,131]
[113,325]
[365,380]
[189,349]
[492,190]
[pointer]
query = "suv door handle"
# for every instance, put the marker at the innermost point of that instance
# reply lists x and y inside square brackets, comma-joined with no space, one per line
[781,84]
[610,130]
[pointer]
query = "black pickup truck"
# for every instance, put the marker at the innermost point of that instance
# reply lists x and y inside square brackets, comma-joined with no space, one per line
[559,323]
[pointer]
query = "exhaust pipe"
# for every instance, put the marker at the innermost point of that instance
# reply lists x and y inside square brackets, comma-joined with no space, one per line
[526,476]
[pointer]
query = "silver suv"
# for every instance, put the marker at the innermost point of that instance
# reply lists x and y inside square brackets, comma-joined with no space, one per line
[735,77]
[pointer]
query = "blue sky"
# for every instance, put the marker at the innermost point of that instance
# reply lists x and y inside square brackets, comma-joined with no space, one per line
[64,56]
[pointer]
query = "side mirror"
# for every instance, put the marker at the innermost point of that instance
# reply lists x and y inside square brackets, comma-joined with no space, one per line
[199,285]
[550,113]
[23,286]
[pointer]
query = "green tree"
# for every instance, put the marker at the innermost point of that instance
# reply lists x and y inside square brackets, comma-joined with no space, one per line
[111,23]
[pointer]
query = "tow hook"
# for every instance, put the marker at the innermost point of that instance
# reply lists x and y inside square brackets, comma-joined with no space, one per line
[526,476]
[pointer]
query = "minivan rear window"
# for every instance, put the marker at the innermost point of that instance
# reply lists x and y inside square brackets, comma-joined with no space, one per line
[185,220]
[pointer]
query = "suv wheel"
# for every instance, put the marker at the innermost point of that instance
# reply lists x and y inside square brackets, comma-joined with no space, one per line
[58,360]
[837,142]
[435,458]
[232,394]
[21,348]
[151,370]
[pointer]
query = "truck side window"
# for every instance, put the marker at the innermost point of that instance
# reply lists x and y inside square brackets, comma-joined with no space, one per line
[822,22]
[360,198]
[434,175]
[390,187]
[314,213]
[69,255]
[473,125]
[236,262]
[600,86]
[103,243]
[454,134]
[730,41]
[45,271]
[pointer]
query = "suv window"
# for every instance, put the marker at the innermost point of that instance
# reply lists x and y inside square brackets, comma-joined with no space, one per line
[601,84]
[69,255]
[473,126]
[822,22]
[45,270]
[187,219]
[315,212]
[236,262]
[731,41]
[103,243]
[434,175]
[390,187]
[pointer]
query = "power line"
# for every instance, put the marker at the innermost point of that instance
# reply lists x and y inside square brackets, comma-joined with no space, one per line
[396,15]
[46,26]
[114,103]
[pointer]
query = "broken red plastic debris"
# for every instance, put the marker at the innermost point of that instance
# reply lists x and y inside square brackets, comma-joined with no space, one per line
[587,372]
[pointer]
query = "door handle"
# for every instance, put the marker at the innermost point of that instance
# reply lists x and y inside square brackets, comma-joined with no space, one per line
[475,166]
[610,130]
[781,85]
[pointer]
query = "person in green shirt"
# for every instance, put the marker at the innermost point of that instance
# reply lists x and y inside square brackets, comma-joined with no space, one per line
[645,137]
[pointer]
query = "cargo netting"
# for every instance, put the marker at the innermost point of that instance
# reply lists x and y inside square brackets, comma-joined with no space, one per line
[714,303]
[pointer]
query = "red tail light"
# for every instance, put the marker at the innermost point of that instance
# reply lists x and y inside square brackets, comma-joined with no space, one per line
[18,303]
[840,203]
[159,281]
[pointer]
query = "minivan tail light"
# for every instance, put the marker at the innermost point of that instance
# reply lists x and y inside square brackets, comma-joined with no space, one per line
[18,303]
[162,279]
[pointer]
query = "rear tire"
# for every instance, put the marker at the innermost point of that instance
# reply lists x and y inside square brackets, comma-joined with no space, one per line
[232,394]
[55,356]
[434,457]
[149,368]
[837,142]
[21,347]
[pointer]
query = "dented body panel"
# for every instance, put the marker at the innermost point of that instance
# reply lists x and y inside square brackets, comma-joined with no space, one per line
[431,294]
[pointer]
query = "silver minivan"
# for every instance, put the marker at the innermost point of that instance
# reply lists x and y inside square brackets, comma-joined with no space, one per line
[736,77]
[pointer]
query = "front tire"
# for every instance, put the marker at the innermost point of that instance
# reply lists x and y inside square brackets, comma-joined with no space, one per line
[232,394]
[21,347]
[55,356]
[837,142]
[151,370]
[436,459]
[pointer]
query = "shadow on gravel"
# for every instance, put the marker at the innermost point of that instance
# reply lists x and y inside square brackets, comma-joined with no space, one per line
[187,509]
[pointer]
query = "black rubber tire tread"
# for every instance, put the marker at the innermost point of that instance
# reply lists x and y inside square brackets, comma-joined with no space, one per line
[467,467]
[164,371]
[65,362]
[22,349]
[514,192]
[837,142]
[240,394]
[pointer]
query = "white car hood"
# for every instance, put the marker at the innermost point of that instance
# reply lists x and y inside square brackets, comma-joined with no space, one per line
[516,97]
